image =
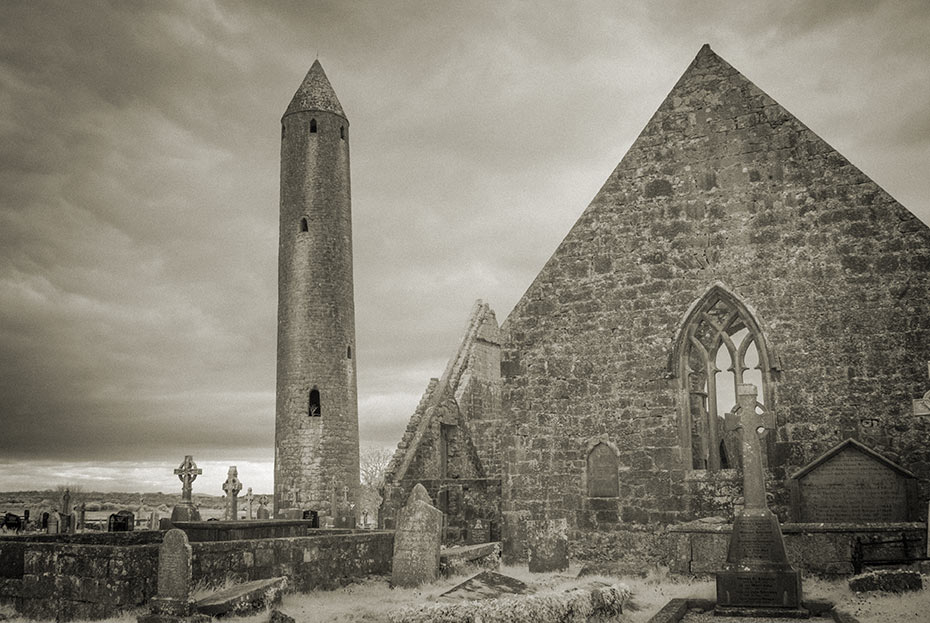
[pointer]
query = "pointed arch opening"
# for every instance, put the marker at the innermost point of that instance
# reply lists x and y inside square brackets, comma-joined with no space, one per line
[313,126]
[720,346]
[304,227]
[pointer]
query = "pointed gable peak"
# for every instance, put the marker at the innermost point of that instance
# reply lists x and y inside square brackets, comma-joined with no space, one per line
[315,93]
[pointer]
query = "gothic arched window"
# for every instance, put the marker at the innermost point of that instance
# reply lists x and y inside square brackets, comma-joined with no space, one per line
[313,126]
[303,224]
[720,346]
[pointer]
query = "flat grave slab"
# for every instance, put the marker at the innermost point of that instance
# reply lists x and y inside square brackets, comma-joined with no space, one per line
[485,585]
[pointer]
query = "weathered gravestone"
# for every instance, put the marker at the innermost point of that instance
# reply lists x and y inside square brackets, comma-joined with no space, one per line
[314,518]
[757,579]
[417,541]
[54,524]
[82,517]
[249,498]
[232,487]
[853,483]
[513,536]
[187,472]
[547,545]
[485,585]
[123,521]
[263,512]
[44,524]
[479,531]
[174,580]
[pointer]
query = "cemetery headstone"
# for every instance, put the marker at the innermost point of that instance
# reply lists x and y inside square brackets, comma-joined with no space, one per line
[314,518]
[547,545]
[123,521]
[232,487]
[153,520]
[187,472]
[853,483]
[82,517]
[757,578]
[263,512]
[174,579]
[54,524]
[66,502]
[12,522]
[365,518]
[479,531]
[45,517]
[249,498]
[417,541]
[26,515]
[69,523]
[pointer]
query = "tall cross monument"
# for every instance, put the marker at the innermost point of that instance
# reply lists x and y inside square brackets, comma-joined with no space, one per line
[187,472]
[757,579]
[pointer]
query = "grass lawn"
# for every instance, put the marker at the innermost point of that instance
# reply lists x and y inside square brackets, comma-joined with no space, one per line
[371,601]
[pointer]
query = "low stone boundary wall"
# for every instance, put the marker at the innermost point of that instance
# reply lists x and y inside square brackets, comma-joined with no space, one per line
[824,549]
[66,581]
[312,562]
[260,529]
[94,576]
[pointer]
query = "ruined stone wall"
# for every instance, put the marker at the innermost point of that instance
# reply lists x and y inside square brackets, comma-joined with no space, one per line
[823,549]
[451,440]
[309,563]
[462,501]
[67,581]
[722,187]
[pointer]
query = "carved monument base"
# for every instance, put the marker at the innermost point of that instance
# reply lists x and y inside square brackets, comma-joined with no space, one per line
[757,576]
[185,511]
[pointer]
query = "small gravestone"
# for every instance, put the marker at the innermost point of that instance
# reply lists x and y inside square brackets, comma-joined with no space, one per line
[263,512]
[853,483]
[417,541]
[82,517]
[547,545]
[54,524]
[232,487]
[513,536]
[479,531]
[45,518]
[123,521]
[249,498]
[66,502]
[153,520]
[174,580]
[187,472]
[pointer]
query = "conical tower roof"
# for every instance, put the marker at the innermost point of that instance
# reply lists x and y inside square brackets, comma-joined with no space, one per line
[315,93]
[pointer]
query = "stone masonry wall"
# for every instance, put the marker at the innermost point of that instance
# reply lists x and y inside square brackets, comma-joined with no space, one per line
[722,188]
[310,563]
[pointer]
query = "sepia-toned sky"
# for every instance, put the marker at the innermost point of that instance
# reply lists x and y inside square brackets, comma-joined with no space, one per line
[139,146]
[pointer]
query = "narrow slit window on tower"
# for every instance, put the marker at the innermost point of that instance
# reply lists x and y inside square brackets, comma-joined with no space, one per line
[313,126]
[348,352]
[303,225]
[342,132]
[314,409]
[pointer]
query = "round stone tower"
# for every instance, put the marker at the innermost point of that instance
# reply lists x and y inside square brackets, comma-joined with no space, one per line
[316,415]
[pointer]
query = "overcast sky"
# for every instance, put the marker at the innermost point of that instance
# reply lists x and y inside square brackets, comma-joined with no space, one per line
[139,161]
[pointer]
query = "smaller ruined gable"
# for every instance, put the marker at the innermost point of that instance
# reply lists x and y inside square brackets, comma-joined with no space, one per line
[853,483]
[437,443]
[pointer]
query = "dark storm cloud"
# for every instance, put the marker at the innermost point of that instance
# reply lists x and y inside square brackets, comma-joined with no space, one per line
[139,173]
